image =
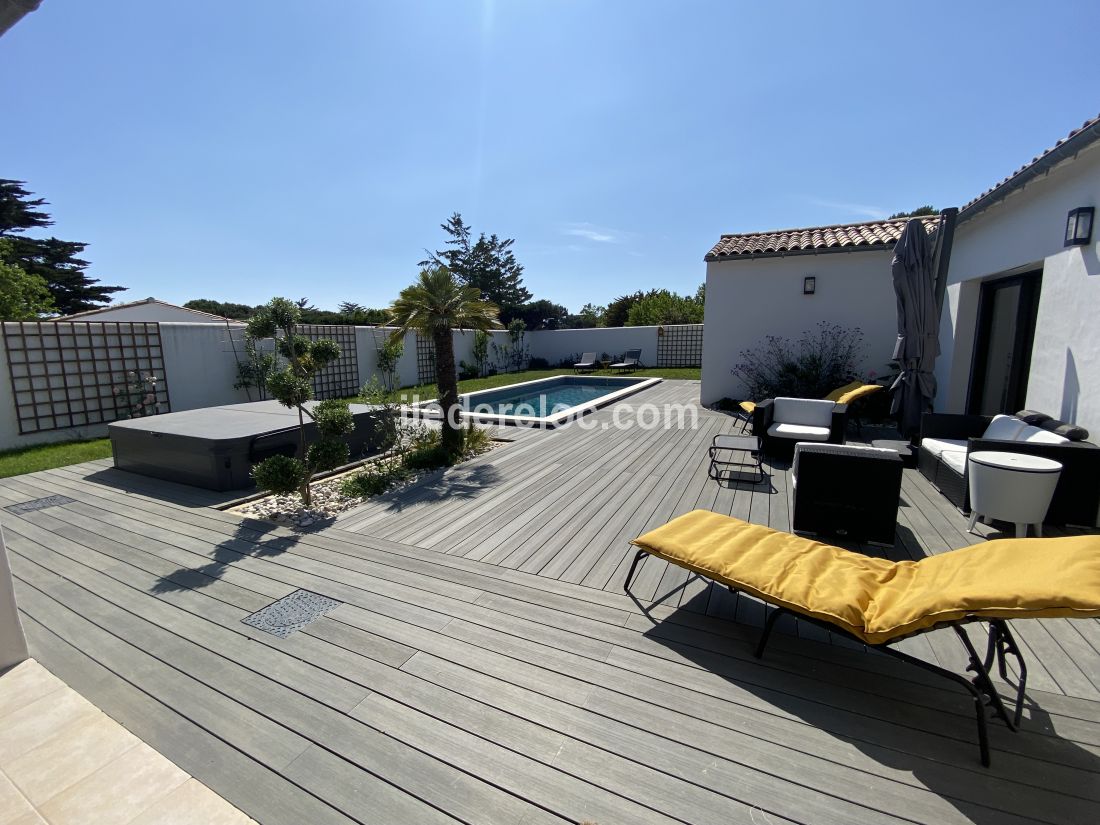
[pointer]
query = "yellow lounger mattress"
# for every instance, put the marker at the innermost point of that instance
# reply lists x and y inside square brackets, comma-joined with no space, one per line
[877,600]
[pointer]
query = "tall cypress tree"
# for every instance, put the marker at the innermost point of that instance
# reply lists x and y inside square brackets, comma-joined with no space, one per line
[54,260]
[487,263]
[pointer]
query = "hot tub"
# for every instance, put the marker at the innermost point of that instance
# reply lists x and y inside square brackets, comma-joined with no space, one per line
[215,447]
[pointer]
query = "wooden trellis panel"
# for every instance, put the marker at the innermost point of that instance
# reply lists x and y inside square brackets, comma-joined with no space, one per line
[425,359]
[72,374]
[341,378]
[680,345]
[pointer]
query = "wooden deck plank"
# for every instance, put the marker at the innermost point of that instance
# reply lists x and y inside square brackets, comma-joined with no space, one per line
[453,688]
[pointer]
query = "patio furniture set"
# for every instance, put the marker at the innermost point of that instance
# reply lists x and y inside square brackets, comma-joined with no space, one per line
[1024,469]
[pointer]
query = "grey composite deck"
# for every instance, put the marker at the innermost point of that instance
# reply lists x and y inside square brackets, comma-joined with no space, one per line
[450,688]
[565,503]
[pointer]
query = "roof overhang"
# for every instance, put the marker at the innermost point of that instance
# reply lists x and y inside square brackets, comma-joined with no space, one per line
[790,253]
[1066,150]
[12,11]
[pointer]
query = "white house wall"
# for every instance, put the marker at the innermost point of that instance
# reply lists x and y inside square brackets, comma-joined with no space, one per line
[1023,231]
[748,300]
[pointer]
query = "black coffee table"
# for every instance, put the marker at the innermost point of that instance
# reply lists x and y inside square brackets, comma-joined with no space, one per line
[725,448]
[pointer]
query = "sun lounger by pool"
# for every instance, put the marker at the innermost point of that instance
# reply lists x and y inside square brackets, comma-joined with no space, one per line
[880,602]
[588,363]
[631,361]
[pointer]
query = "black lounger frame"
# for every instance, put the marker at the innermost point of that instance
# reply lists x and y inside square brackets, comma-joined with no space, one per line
[1000,643]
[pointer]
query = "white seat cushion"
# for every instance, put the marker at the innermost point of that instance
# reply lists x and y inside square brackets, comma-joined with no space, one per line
[955,459]
[938,446]
[804,411]
[1004,427]
[799,432]
[1037,435]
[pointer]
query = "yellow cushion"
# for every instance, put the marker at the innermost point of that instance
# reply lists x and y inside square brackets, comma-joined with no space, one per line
[859,392]
[839,391]
[748,406]
[878,600]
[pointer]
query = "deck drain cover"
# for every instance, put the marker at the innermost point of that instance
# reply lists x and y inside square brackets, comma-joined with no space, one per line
[290,613]
[38,504]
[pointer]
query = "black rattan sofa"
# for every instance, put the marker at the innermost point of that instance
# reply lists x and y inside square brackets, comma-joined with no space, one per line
[1077,496]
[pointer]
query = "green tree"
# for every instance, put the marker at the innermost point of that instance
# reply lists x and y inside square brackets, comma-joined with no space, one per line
[23,297]
[360,315]
[433,306]
[291,384]
[53,260]
[617,311]
[591,315]
[488,264]
[541,314]
[663,307]
[238,312]
[920,211]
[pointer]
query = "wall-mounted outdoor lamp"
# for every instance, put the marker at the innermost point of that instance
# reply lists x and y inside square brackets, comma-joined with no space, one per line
[809,285]
[1079,225]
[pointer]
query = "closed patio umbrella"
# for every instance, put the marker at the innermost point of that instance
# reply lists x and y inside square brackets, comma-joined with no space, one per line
[918,341]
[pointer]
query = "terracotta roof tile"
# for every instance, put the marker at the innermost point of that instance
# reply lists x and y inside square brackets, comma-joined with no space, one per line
[840,236]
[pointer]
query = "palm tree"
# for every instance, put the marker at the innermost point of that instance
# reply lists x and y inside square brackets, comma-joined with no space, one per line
[433,306]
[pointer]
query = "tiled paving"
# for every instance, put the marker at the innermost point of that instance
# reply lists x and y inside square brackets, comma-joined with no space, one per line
[64,762]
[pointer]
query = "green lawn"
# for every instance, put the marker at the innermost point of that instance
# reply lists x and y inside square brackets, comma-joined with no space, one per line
[48,456]
[428,391]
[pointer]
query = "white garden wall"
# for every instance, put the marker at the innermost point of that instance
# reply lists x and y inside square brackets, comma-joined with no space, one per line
[557,345]
[201,366]
[750,299]
[1026,231]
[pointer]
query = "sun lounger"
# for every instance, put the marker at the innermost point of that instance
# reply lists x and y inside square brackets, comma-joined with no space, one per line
[879,602]
[588,362]
[631,361]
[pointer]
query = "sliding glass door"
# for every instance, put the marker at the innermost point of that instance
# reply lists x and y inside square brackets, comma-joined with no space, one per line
[1002,352]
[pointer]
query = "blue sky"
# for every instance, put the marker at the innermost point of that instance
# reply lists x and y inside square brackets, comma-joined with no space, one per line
[239,150]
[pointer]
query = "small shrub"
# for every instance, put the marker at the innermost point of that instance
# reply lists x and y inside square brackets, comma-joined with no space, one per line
[373,392]
[467,371]
[476,440]
[334,417]
[389,353]
[279,474]
[815,365]
[289,389]
[480,351]
[538,364]
[327,454]
[373,480]
[427,458]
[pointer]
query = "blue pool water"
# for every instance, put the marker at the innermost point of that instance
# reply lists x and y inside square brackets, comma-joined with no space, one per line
[547,397]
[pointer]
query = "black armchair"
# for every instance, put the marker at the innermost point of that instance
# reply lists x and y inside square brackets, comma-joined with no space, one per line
[805,420]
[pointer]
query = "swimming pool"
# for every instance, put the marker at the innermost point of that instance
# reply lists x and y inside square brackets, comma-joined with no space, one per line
[549,401]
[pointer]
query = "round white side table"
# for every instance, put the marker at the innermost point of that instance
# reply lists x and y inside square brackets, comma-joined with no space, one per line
[1013,487]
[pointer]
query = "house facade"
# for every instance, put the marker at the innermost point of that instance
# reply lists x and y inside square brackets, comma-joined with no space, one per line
[757,286]
[1019,325]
